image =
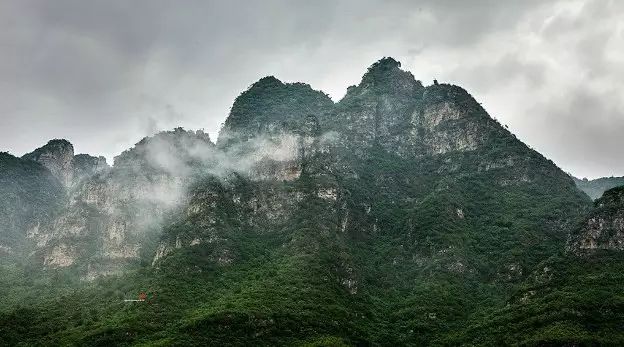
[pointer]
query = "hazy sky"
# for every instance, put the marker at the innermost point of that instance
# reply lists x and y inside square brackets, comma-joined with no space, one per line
[103,74]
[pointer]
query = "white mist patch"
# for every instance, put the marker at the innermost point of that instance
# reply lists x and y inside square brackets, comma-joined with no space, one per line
[246,157]
[183,157]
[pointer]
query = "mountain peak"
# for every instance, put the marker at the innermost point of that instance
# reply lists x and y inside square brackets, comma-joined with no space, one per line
[266,83]
[52,145]
[57,155]
[384,64]
[170,142]
[271,106]
[385,76]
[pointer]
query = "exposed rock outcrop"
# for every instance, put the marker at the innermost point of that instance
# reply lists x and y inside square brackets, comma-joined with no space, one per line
[378,110]
[604,227]
[115,213]
[58,157]
[86,166]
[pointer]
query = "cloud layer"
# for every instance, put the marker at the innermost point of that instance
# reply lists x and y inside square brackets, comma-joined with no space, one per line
[104,74]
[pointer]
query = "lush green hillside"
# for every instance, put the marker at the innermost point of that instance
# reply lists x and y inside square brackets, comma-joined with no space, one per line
[576,298]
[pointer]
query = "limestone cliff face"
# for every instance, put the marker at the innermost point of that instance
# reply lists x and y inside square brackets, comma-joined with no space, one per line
[391,109]
[63,172]
[275,128]
[450,120]
[604,227]
[58,157]
[273,140]
[86,166]
[218,207]
[113,214]
[260,195]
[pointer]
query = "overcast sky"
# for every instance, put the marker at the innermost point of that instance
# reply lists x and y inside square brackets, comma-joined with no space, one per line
[103,74]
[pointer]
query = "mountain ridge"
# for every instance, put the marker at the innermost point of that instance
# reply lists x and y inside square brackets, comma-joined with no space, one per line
[395,216]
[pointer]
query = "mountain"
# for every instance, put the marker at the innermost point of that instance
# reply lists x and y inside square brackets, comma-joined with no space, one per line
[398,216]
[595,188]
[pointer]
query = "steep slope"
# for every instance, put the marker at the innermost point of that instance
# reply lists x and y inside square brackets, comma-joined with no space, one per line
[29,195]
[378,110]
[86,166]
[462,171]
[58,157]
[595,188]
[459,210]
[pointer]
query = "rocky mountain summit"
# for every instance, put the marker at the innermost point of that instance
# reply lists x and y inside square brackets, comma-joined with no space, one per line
[398,185]
[58,157]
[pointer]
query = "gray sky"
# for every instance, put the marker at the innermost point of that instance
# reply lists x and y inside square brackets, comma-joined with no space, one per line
[103,74]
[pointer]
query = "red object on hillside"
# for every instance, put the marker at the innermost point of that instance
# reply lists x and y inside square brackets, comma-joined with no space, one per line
[142,296]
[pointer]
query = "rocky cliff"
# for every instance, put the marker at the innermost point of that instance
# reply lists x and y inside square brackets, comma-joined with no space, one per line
[604,227]
[112,215]
[86,166]
[398,193]
[58,157]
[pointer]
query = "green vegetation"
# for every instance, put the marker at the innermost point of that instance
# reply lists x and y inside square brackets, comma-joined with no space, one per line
[270,106]
[569,301]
